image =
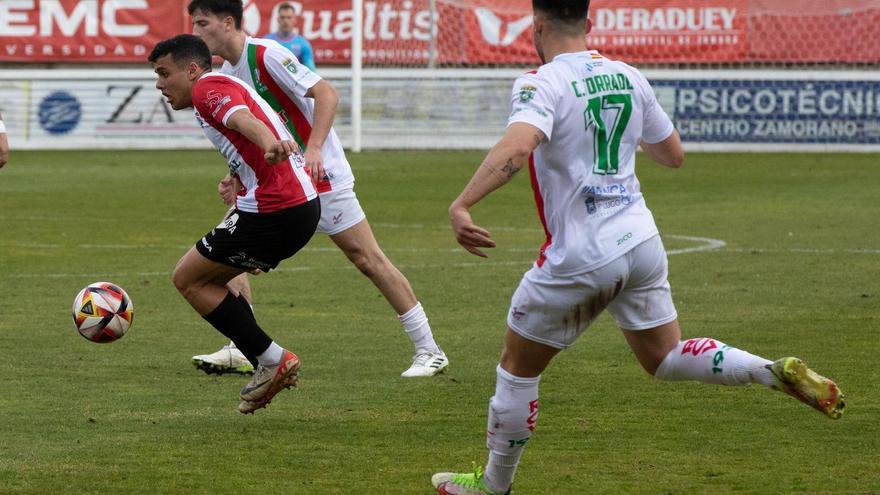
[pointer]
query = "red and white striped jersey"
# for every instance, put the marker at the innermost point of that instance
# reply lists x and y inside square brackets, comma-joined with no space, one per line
[283,81]
[265,188]
[594,112]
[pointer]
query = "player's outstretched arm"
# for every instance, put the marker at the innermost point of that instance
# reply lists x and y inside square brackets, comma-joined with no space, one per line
[246,123]
[502,162]
[668,152]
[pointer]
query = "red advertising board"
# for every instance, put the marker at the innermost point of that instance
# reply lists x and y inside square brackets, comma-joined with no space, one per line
[464,32]
[85,30]
[674,31]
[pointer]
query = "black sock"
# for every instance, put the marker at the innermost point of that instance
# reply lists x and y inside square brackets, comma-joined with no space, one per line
[246,305]
[244,302]
[239,326]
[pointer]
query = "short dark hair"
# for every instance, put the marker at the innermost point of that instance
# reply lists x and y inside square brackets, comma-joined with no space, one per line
[183,48]
[233,8]
[569,11]
[285,6]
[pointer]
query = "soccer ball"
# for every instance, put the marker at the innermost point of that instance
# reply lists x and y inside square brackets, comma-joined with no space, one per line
[102,312]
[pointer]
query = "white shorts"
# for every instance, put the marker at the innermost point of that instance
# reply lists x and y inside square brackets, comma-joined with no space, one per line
[340,210]
[556,310]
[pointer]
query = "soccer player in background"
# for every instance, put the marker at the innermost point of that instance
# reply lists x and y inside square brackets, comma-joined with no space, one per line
[289,37]
[307,105]
[576,122]
[271,221]
[4,143]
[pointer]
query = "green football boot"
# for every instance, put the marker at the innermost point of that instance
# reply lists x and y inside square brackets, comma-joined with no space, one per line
[794,378]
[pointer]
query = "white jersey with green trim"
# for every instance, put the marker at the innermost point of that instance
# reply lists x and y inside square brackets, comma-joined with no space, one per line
[283,81]
[594,112]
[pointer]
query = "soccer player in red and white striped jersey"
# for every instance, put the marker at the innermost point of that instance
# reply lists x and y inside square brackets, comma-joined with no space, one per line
[275,214]
[307,104]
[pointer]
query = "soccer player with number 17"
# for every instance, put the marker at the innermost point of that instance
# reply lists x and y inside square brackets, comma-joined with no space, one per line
[577,122]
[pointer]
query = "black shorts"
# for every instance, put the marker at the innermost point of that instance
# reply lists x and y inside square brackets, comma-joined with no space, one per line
[261,240]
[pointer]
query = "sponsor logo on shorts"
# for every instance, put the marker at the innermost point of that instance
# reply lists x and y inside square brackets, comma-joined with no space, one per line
[337,218]
[229,223]
[242,259]
[516,313]
[207,246]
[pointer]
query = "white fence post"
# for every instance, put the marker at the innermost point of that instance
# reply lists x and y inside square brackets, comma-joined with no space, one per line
[357,51]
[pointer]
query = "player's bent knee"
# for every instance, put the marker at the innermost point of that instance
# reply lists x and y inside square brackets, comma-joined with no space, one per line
[184,283]
[179,280]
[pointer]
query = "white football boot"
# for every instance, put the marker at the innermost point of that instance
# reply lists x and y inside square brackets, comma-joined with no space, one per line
[268,381]
[426,364]
[227,360]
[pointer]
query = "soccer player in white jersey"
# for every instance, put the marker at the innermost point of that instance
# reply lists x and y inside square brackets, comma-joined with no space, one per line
[576,123]
[273,218]
[307,104]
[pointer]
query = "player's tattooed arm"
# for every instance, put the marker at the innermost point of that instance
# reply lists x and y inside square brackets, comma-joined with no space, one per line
[504,160]
[518,156]
[510,169]
[502,163]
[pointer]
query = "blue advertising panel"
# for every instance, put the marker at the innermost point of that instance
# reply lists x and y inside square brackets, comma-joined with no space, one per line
[773,111]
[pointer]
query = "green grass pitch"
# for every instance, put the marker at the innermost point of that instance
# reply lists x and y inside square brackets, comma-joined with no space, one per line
[797,275]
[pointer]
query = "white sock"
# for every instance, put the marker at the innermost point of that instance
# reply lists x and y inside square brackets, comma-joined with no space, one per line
[415,324]
[513,413]
[272,355]
[711,361]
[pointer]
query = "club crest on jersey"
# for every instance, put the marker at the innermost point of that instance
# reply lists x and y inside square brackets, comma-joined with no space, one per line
[526,93]
[216,101]
[289,65]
